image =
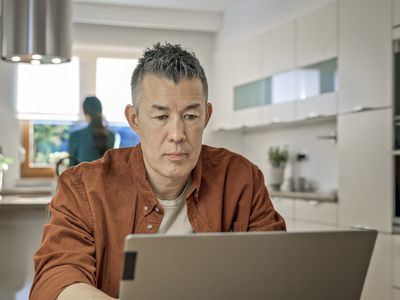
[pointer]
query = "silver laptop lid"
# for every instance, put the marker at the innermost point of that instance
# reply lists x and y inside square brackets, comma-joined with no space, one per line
[273,265]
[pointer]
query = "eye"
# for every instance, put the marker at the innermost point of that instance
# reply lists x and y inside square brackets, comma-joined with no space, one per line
[161,118]
[190,117]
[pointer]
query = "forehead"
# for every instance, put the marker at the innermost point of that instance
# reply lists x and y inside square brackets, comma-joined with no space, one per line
[155,88]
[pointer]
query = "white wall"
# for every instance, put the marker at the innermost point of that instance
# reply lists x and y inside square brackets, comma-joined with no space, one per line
[9,128]
[321,165]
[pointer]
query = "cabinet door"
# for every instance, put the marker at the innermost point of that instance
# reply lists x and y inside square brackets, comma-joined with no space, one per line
[223,102]
[285,207]
[323,105]
[278,49]
[378,283]
[396,12]
[316,36]
[276,113]
[247,61]
[365,42]
[365,177]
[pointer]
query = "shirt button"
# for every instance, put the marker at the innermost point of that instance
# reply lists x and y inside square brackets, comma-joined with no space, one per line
[157,209]
[149,226]
[146,208]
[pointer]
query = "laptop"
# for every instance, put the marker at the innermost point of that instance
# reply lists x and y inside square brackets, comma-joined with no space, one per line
[233,266]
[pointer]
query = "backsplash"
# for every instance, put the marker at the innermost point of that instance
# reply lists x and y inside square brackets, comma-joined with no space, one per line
[319,164]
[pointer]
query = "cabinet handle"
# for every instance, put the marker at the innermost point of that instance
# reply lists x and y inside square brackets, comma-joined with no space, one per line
[357,108]
[313,115]
[313,202]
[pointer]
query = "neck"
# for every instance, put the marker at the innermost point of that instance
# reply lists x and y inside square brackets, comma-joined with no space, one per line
[167,188]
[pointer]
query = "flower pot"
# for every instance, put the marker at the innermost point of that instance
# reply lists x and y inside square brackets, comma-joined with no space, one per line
[275,178]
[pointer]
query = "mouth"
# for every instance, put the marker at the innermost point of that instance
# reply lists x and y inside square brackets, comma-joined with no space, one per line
[176,156]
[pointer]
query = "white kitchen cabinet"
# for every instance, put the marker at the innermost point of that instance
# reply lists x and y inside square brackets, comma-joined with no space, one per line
[247,61]
[378,283]
[322,105]
[365,163]
[223,102]
[396,261]
[247,117]
[316,211]
[284,206]
[276,113]
[278,49]
[316,35]
[396,13]
[365,53]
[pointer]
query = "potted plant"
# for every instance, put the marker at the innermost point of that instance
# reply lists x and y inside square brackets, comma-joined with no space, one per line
[277,158]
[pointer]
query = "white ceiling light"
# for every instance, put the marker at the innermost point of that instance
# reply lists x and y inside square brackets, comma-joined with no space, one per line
[36,30]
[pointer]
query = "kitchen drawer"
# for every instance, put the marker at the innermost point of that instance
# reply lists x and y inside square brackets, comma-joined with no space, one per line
[316,211]
[396,261]
[284,207]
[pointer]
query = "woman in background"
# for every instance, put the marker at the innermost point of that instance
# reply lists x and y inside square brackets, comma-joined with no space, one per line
[91,142]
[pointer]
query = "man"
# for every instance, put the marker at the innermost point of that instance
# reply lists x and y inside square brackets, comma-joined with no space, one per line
[170,183]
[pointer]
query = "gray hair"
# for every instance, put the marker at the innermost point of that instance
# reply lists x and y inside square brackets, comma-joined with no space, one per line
[169,61]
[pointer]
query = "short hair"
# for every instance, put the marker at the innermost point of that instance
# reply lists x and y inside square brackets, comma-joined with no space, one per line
[169,61]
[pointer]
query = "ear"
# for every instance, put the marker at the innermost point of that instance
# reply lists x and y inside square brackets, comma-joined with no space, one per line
[131,116]
[209,110]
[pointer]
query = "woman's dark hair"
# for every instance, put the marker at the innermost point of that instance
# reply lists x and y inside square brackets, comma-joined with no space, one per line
[92,107]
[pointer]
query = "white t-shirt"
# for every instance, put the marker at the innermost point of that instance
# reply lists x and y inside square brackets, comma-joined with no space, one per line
[175,219]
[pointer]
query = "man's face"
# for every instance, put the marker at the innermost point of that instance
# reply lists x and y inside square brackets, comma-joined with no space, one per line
[170,121]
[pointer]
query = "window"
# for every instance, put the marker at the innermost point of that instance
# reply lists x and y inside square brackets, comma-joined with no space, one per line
[113,76]
[45,92]
[49,92]
[48,106]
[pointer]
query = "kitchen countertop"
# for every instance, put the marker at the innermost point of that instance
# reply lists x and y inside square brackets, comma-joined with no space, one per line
[306,196]
[23,202]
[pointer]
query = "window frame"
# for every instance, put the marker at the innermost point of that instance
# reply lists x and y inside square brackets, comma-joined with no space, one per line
[27,140]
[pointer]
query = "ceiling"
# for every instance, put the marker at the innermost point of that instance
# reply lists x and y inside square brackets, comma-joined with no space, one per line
[216,6]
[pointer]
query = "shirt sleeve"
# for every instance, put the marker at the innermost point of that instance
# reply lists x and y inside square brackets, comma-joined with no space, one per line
[263,216]
[67,252]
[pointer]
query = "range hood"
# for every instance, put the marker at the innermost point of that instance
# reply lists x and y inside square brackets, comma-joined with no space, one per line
[36,31]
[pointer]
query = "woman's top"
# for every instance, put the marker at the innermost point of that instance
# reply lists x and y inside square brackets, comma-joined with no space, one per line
[82,146]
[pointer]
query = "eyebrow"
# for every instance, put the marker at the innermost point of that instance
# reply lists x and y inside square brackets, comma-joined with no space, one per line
[165,108]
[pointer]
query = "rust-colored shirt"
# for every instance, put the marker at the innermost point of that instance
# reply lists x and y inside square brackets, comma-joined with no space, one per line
[97,204]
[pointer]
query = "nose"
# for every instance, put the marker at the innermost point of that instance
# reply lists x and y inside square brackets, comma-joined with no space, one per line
[177,132]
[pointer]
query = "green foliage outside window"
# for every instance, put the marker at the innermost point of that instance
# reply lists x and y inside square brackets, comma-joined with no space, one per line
[49,141]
